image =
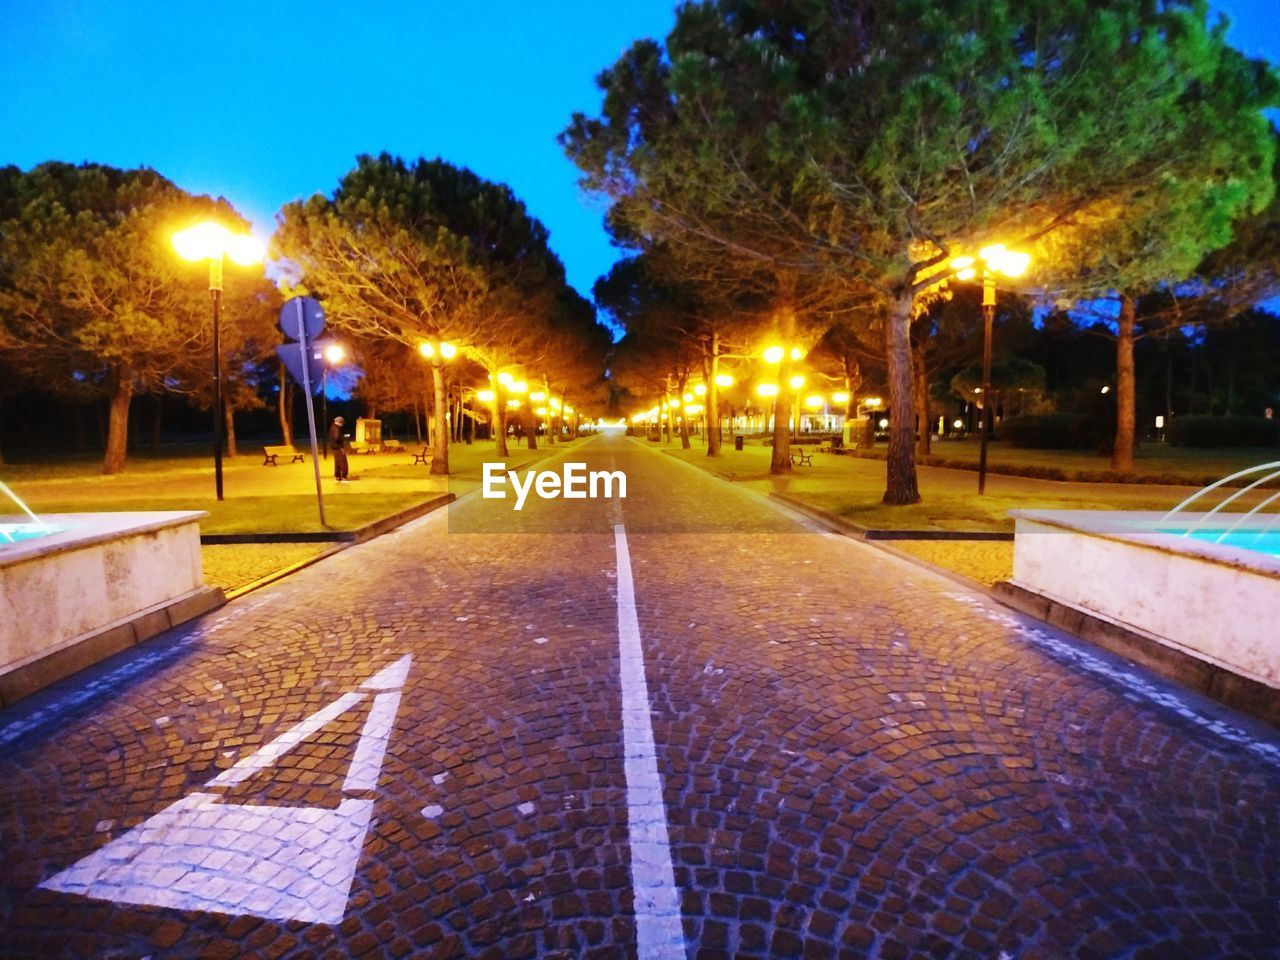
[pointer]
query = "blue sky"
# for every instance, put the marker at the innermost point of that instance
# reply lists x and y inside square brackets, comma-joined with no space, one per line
[266,102]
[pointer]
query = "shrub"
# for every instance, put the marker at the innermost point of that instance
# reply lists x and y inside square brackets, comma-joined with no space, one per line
[1224,432]
[1053,431]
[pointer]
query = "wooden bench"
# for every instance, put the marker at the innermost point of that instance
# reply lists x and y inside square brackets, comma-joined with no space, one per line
[392,446]
[805,459]
[269,454]
[423,456]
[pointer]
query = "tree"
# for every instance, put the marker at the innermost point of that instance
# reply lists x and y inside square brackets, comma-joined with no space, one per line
[90,284]
[425,251]
[880,141]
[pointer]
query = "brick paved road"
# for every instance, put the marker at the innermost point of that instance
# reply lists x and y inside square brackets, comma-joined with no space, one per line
[857,759]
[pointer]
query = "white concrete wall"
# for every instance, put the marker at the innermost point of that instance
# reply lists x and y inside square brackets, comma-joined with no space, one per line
[1221,604]
[103,568]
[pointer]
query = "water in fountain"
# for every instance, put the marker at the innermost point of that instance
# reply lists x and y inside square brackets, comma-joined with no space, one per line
[15,532]
[1261,537]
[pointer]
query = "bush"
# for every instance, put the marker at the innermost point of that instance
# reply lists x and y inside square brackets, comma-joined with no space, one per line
[1224,432]
[1053,431]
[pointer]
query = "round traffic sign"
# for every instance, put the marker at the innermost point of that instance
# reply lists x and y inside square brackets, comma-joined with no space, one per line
[302,316]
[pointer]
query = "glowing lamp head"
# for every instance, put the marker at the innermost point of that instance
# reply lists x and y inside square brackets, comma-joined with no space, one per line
[485,396]
[958,424]
[204,241]
[814,402]
[244,249]
[334,354]
[873,402]
[797,353]
[426,349]
[448,351]
[774,354]
[687,398]
[883,423]
[538,396]
[541,411]
[519,386]
[724,380]
[767,389]
[568,409]
[506,379]
[840,397]
[796,381]
[555,403]
[700,389]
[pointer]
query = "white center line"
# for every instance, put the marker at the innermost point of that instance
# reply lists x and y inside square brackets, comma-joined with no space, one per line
[659,934]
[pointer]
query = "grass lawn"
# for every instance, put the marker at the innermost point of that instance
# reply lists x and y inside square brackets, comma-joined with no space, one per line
[258,499]
[852,487]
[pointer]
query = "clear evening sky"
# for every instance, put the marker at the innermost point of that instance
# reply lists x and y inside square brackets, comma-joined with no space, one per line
[266,102]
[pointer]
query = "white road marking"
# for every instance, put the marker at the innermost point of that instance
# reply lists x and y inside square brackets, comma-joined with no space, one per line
[659,934]
[367,763]
[282,863]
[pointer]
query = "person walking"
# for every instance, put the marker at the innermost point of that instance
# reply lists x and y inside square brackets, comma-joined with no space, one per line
[338,444]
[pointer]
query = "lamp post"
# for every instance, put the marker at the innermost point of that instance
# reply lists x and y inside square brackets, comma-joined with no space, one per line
[212,241]
[995,259]
[331,354]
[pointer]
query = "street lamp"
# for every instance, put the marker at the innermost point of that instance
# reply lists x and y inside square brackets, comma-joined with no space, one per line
[331,354]
[995,260]
[212,241]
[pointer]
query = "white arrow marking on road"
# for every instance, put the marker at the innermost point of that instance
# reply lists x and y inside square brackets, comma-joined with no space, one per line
[282,863]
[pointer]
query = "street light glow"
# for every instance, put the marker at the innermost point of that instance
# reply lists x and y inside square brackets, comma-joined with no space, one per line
[485,396]
[814,402]
[767,389]
[724,380]
[687,398]
[840,397]
[797,353]
[505,379]
[774,354]
[448,351]
[210,241]
[538,396]
[796,381]
[426,349]
[334,354]
[700,389]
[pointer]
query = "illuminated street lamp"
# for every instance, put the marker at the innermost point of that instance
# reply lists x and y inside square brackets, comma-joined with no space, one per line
[724,380]
[331,354]
[212,241]
[995,260]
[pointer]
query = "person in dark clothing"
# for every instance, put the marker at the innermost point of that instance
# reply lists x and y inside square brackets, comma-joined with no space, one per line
[338,444]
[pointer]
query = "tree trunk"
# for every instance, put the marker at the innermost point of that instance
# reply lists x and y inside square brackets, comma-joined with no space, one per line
[439,422]
[921,378]
[780,459]
[1122,451]
[500,424]
[530,420]
[900,466]
[417,420]
[283,409]
[229,441]
[156,421]
[121,380]
[681,385]
[713,398]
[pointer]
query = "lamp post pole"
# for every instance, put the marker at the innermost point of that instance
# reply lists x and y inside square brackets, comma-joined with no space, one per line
[324,406]
[215,294]
[988,320]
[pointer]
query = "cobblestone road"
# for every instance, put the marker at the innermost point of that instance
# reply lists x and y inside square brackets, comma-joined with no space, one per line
[429,746]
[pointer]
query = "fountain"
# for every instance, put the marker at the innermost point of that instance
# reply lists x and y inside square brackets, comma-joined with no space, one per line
[1193,593]
[78,588]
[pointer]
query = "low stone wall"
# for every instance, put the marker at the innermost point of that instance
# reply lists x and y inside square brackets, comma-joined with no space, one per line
[90,581]
[1218,604]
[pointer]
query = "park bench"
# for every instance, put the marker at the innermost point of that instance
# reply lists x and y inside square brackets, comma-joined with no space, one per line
[269,454]
[803,459]
[392,446]
[422,457]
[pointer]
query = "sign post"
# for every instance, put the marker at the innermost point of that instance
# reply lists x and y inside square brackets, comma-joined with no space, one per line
[302,318]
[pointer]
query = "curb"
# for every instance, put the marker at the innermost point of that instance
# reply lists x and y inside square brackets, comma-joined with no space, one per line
[869,533]
[377,528]
[1213,681]
[349,539]
[91,648]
